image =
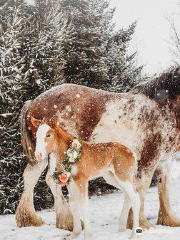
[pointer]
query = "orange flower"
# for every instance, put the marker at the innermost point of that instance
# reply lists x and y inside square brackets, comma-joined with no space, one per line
[76,144]
[63,178]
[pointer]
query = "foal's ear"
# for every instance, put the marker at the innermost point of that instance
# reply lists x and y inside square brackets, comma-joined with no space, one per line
[35,122]
[58,119]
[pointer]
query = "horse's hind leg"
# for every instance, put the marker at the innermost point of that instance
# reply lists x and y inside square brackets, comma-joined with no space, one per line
[165,216]
[25,213]
[64,219]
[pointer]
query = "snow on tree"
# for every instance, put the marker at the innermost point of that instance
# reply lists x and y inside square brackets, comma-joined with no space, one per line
[12,75]
[122,69]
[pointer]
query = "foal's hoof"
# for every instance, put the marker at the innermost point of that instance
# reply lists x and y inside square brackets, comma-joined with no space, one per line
[88,238]
[133,236]
[122,229]
[72,236]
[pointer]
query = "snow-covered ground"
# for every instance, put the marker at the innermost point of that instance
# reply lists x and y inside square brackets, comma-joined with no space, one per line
[105,211]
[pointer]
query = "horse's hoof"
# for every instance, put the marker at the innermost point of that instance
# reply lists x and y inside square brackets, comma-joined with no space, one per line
[26,219]
[168,220]
[145,224]
[64,225]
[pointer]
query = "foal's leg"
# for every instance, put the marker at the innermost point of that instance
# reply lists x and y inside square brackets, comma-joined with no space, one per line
[85,210]
[124,214]
[25,213]
[64,218]
[142,186]
[74,202]
[165,216]
[135,202]
[110,179]
[79,205]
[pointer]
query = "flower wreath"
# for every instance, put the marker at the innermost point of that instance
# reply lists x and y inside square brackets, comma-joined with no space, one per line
[71,157]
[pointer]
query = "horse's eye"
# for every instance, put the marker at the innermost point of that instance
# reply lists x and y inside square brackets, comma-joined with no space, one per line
[48,136]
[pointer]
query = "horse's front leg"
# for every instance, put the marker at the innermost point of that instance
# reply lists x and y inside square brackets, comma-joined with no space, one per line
[165,216]
[64,219]
[25,213]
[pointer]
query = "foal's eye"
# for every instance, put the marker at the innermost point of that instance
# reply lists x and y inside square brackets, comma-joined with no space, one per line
[48,136]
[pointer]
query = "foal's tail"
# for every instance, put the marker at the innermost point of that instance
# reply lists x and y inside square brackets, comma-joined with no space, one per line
[26,138]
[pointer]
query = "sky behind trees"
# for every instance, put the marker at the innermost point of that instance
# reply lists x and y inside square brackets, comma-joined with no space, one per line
[152,35]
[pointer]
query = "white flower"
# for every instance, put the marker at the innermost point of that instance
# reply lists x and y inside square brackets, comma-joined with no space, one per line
[69,153]
[71,159]
[75,155]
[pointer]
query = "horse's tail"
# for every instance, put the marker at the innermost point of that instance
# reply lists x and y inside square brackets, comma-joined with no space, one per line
[26,138]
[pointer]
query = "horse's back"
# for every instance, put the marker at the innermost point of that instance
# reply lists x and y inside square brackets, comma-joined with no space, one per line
[59,97]
[80,107]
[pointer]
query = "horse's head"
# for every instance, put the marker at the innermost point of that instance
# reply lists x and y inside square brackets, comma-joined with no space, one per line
[46,138]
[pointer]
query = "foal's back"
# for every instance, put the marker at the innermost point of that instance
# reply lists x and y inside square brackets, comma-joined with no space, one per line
[97,157]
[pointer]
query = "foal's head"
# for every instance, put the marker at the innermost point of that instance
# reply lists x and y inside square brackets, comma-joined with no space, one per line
[48,137]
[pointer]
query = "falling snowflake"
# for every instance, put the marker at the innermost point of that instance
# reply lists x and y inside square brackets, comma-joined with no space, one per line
[38,81]
[68,108]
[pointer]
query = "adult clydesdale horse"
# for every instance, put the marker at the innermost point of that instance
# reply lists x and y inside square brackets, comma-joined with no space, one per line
[147,120]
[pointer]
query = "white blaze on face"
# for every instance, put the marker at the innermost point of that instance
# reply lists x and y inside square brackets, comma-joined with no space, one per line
[40,141]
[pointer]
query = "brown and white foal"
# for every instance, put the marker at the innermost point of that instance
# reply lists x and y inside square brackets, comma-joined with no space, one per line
[113,161]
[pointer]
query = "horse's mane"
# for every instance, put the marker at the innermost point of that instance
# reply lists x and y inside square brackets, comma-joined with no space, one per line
[166,86]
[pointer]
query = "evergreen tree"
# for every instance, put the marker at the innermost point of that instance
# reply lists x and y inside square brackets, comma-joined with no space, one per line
[31,60]
[12,75]
[122,70]
[85,60]
[98,55]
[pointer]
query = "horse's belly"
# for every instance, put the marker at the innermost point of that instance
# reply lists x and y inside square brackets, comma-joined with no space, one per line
[115,131]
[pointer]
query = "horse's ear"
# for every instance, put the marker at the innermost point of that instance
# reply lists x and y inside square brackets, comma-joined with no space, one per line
[35,122]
